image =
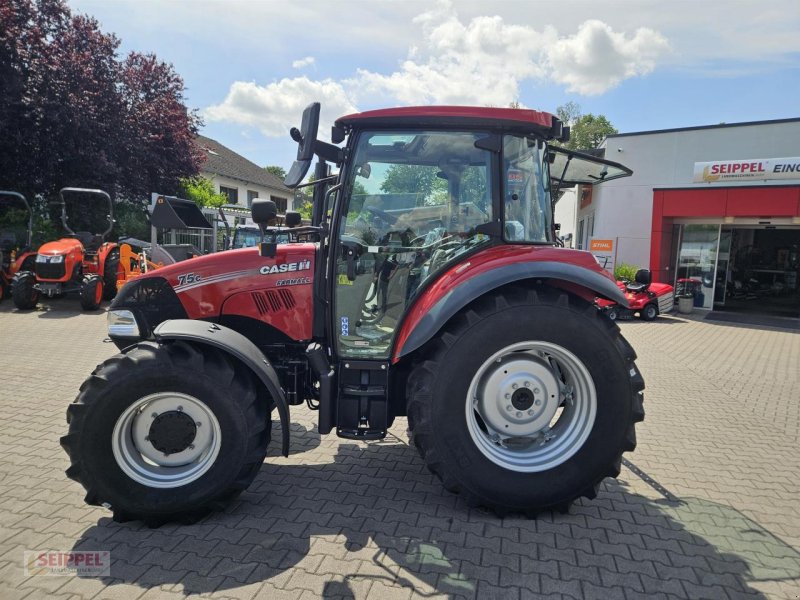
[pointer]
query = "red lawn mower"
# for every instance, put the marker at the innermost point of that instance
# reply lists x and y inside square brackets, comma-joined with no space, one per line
[429,285]
[16,226]
[643,297]
[84,262]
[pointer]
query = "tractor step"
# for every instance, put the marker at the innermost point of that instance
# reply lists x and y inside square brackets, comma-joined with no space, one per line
[362,404]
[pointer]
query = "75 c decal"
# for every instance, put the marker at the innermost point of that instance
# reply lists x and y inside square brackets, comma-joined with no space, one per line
[188,278]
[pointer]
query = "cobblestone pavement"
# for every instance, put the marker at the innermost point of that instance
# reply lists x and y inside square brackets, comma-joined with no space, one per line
[707,507]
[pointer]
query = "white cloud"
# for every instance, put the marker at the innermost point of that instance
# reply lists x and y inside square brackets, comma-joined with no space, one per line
[483,61]
[303,62]
[597,58]
[277,107]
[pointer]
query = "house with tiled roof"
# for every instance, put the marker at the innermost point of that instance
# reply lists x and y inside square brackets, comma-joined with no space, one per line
[240,179]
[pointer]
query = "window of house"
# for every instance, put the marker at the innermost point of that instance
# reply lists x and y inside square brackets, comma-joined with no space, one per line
[231,193]
[251,195]
[281,203]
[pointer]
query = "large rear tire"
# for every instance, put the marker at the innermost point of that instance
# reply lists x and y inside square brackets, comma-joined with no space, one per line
[526,401]
[167,433]
[23,292]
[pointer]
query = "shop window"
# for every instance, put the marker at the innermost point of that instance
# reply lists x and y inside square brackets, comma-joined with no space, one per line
[697,262]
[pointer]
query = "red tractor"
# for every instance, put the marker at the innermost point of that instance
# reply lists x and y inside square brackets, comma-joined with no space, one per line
[429,285]
[84,262]
[16,226]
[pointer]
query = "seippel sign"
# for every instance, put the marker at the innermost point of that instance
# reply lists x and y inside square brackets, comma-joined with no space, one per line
[746,170]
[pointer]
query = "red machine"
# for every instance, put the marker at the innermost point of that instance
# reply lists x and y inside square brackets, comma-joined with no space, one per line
[84,262]
[16,225]
[429,285]
[646,298]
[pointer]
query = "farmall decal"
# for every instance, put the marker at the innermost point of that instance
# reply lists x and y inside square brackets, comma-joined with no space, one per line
[747,169]
[303,265]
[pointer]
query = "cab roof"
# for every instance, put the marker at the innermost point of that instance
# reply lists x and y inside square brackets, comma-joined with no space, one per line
[513,119]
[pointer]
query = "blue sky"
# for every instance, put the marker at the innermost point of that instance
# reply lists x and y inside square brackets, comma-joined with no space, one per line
[251,66]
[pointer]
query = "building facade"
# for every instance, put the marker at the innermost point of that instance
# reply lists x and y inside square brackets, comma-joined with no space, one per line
[715,209]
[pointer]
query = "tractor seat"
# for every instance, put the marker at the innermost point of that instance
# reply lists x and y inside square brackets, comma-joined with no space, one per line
[89,240]
[641,281]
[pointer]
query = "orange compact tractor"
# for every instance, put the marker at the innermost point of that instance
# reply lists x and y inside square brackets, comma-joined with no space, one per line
[16,224]
[83,262]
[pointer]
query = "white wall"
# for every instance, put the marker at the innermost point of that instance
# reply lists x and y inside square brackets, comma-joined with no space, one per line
[565,213]
[263,192]
[623,208]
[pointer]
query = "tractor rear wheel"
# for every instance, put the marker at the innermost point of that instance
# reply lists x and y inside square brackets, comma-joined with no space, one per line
[526,401]
[23,290]
[91,292]
[110,274]
[167,433]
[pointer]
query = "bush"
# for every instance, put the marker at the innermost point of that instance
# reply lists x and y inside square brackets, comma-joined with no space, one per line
[625,271]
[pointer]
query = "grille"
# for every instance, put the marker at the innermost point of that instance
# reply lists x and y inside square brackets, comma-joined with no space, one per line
[273,301]
[50,270]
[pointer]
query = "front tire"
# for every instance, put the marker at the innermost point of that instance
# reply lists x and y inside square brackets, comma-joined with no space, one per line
[23,290]
[91,292]
[649,312]
[565,431]
[167,433]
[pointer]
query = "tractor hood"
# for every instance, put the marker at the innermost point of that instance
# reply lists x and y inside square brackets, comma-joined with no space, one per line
[60,247]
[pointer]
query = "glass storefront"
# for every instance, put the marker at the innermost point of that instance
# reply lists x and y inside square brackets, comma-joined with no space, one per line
[697,262]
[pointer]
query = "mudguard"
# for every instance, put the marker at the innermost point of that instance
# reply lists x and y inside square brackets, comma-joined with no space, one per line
[233,342]
[460,296]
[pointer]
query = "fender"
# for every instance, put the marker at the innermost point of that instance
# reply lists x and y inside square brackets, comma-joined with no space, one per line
[240,347]
[437,306]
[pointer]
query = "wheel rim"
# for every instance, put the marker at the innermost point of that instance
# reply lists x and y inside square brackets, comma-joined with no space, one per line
[651,312]
[612,314]
[531,406]
[166,440]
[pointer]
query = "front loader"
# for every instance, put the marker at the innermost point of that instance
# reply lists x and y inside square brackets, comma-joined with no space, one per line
[429,285]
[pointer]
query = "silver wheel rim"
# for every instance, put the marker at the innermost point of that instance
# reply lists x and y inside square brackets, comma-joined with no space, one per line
[531,406]
[143,462]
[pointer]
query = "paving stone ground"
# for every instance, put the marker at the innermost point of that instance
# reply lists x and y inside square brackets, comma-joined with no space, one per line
[707,507]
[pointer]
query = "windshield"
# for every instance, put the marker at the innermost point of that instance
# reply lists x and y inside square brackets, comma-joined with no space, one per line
[526,204]
[415,201]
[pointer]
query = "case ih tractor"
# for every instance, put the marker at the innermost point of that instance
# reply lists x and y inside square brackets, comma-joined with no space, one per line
[433,288]
[84,262]
[16,226]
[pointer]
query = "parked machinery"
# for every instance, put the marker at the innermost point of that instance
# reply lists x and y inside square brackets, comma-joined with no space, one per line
[16,227]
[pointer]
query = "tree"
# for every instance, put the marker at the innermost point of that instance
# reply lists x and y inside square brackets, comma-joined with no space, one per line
[415,179]
[279,172]
[586,131]
[72,113]
[201,191]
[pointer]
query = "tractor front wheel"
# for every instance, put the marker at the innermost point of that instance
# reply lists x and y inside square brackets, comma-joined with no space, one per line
[91,292]
[526,402]
[23,290]
[167,433]
[110,274]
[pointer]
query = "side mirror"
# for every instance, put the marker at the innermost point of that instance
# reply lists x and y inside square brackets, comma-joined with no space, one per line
[263,211]
[306,138]
[293,219]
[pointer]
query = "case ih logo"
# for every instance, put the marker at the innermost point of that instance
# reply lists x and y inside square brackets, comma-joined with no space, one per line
[303,265]
[751,168]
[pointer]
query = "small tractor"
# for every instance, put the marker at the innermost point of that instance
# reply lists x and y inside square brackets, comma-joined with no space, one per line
[16,227]
[429,285]
[84,262]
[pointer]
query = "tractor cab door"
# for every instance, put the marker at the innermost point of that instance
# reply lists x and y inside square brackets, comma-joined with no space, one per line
[413,202]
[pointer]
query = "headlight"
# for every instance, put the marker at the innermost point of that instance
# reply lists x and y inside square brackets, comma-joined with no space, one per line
[122,323]
[44,258]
